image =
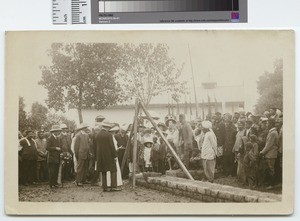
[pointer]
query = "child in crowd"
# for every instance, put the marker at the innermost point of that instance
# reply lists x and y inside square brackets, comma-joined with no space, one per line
[147,154]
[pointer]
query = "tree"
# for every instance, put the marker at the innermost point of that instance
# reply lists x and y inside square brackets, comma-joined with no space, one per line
[148,71]
[58,119]
[270,88]
[38,116]
[82,76]
[23,123]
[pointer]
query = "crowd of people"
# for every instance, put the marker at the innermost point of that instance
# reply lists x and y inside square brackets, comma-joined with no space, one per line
[242,145]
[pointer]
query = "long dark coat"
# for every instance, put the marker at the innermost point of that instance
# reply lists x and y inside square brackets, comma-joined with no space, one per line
[28,152]
[105,152]
[53,154]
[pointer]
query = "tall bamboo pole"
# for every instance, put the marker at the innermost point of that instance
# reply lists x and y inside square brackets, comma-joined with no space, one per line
[137,103]
[196,101]
[167,143]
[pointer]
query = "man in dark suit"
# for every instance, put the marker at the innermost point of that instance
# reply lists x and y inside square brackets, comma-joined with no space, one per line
[53,146]
[29,157]
[122,139]
[81,149]
[106,156]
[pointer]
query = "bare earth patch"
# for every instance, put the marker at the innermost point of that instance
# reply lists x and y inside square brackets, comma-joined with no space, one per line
[88,193]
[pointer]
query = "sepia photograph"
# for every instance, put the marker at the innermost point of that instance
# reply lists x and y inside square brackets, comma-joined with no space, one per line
[149,122]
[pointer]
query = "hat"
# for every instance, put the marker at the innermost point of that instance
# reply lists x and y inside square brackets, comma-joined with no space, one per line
[124,127]
[83,126]
[170,118]
[263,119]
[63,126]
[115,128]
[218,113]
[162,125]
[207,124]
[148,139]
[55,127]
[99,118]
[106,124]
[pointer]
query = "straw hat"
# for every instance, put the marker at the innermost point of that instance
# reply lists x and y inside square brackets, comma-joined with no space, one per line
[63,126]
[115,128]
[55,127]
[83,126]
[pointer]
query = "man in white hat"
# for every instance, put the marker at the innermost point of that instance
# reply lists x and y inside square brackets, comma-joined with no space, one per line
[209,151]
[53,146]
[66,141]
[81,149]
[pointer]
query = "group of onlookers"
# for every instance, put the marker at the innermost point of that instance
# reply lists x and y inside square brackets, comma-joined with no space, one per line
[242,145]
[245,146]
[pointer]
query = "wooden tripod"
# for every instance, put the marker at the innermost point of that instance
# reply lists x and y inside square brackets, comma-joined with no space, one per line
[133,133]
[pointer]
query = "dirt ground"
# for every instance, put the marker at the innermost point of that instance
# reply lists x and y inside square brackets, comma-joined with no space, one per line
[88,193]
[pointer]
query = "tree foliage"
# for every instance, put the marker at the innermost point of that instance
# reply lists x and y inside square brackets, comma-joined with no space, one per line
[147,71]
[23,123]
[270,88]
[37,116]
[82,76]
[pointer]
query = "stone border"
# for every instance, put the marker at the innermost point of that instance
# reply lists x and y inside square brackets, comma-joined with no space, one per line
[205,191]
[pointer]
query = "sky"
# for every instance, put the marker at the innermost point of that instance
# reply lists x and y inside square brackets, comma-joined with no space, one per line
[228,58]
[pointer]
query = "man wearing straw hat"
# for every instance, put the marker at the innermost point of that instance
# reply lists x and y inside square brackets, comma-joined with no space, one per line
[53,146]
[81,148]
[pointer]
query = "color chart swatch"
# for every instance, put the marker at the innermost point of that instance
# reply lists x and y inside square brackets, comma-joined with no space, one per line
[167,5]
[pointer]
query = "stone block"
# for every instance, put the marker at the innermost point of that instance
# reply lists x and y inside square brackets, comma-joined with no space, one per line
[177,192]
[191,188]
[251,199]
[201,190]
[182,186]
[172,184]
[214,193]
[151,180]
[163,182]
[198,196]
[226,195]
[238,198]
[208,198]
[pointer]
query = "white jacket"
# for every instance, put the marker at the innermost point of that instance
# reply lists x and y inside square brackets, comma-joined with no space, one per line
[209,146]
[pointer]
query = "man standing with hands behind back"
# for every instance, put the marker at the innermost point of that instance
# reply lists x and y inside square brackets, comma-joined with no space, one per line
[53,147]
[106,156]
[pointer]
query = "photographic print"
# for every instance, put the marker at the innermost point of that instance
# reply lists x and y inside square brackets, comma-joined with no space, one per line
[149,122]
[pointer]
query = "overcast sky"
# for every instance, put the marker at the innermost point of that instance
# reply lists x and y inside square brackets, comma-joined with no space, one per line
[229,58]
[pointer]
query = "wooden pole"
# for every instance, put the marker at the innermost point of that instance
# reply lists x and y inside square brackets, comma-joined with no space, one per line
[167,143]
[127,148]
[135,140]
[196,101]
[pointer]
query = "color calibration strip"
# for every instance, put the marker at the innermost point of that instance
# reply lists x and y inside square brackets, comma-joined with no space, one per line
[148,11]
[167,5]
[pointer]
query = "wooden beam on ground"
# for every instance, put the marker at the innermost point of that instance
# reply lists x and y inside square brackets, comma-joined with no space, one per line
[187,173]
[135,140]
